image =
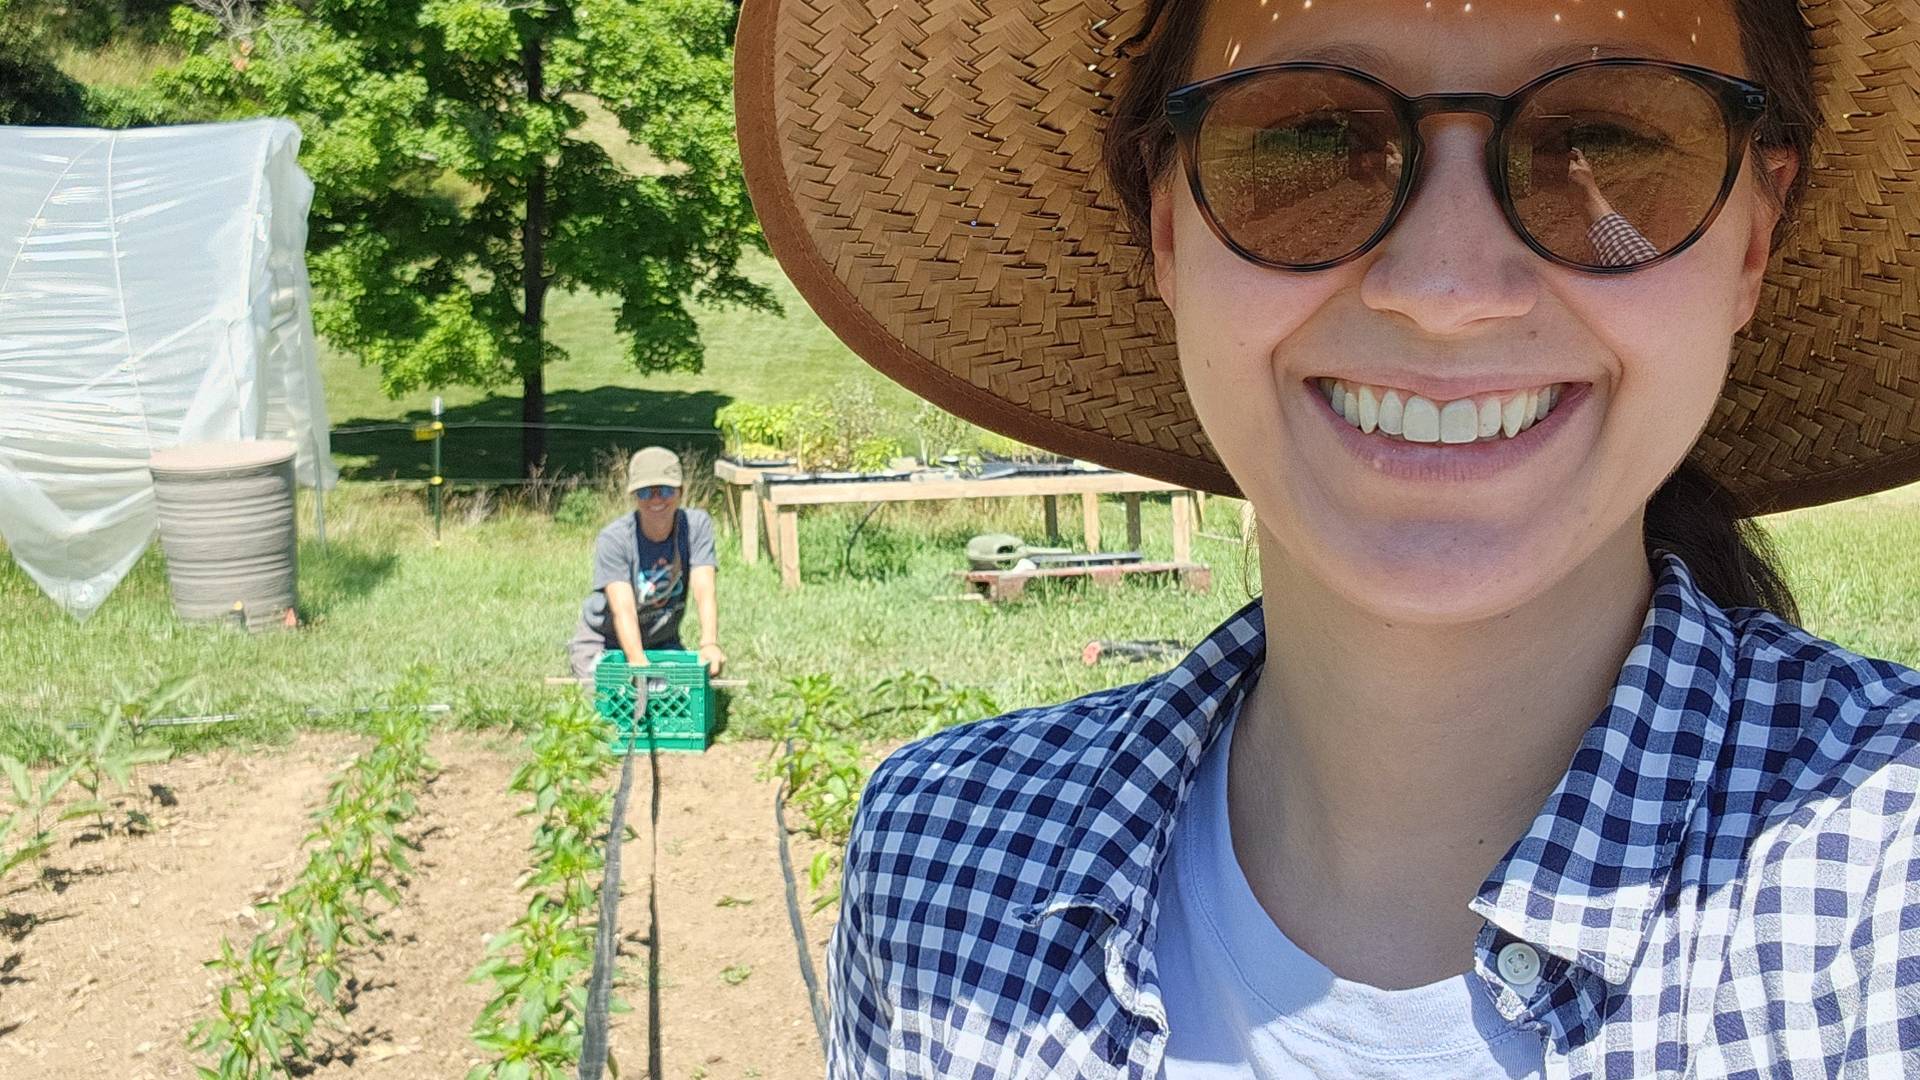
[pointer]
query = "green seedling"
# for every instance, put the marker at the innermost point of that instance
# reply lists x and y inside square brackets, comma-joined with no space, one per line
[533,1024]
[109,756]
[32,805]
[264,1015]
[820,748]
[294,971]
[823,871]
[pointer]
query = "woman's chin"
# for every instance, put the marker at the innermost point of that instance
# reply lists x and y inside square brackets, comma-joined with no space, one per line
[1441,574]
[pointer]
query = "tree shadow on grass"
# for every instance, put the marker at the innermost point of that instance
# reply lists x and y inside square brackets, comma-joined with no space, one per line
[679,419]
[339,573]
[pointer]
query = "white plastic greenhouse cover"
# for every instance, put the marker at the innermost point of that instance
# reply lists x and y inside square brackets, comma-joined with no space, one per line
[153,292]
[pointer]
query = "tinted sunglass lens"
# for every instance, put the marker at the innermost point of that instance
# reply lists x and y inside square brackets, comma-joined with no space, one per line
[1299,167]
[1647,145]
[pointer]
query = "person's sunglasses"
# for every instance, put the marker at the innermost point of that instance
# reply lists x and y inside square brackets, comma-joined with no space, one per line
[655,491]
[1305,166]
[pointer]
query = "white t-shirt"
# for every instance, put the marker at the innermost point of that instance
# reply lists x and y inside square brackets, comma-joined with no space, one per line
[1244,1002]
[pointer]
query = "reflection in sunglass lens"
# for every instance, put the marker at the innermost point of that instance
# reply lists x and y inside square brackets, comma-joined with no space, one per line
[1300,167]
[1644,144]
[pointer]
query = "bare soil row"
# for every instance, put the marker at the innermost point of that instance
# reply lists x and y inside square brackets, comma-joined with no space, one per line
[101,963]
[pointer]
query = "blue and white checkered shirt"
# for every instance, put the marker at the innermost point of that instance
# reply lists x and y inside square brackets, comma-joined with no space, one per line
[1725,883]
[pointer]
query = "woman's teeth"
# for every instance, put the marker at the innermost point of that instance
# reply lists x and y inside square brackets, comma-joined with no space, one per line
[1408,416]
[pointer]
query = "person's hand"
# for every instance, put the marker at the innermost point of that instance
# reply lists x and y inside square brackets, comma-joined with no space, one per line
[715,660]
[1579,171]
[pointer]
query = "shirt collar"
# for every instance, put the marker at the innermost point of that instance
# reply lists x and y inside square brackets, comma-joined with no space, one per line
[1585,880]
[1144,758]
[1582,883]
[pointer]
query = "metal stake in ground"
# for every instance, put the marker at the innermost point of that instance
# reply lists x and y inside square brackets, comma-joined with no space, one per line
[439,430]
[433,432]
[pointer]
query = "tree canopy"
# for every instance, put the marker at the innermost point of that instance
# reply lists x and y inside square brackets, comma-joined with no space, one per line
[454,184]
[32,88]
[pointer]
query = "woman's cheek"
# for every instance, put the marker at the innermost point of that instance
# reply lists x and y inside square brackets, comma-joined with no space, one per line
[1232,317]
[1660,337]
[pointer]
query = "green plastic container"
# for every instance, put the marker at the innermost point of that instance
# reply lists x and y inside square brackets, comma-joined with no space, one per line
[679,709]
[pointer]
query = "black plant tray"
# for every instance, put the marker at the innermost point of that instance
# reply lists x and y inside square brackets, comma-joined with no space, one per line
[1103,558]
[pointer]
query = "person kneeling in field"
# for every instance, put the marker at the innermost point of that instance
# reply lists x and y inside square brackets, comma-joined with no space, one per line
[645,565]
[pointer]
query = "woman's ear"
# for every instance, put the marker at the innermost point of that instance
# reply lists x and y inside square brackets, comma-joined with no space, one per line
[1781,164]
[1162,220]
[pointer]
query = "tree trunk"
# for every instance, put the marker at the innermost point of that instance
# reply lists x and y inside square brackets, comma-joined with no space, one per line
[533,391]
[533,413]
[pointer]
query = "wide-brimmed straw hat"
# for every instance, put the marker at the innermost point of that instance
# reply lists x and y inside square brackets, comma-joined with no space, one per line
[928,174]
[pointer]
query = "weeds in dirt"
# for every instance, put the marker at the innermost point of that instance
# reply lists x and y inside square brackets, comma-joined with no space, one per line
[534,1024]
[821,748]
[276,991]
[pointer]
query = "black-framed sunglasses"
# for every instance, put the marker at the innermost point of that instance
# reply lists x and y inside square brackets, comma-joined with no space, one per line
[1608,165]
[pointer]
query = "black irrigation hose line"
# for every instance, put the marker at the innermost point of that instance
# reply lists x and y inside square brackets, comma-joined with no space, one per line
[361,429]
[606,948]
[855,535]
[793,914]
[593,1050]
[434,709]
[654,1069]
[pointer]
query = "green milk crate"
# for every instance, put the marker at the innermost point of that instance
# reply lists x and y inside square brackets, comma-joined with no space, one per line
[679,703]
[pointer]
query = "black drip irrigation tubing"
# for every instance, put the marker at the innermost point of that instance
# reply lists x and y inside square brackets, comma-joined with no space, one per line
[438,708]
[606,947]
[654,1069]
[793,915]
[855,535]
[451,425]
[606,950]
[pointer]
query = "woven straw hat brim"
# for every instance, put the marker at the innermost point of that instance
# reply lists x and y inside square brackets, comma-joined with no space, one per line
[928,174]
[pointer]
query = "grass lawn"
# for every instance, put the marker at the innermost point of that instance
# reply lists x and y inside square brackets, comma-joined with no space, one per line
[761,358]
[488,609]
[1855,567]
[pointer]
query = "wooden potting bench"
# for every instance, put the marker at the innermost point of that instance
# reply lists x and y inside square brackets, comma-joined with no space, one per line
[739,480]
[780,502]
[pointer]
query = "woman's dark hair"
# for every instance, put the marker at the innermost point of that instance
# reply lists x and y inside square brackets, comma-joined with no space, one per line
[1691,515]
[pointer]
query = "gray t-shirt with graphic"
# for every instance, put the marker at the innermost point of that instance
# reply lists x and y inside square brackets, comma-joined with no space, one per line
[657,570]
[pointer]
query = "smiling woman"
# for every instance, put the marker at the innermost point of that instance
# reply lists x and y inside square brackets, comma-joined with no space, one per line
[1520,766]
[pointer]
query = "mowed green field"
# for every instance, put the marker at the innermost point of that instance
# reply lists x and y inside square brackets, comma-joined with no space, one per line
[751,356]
[1855,567]
[488,609]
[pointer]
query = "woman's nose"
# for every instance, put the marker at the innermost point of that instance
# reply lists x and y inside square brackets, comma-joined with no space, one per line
[1451,260]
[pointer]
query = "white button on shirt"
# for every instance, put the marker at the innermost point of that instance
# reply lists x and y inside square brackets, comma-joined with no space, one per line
[1519,965]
